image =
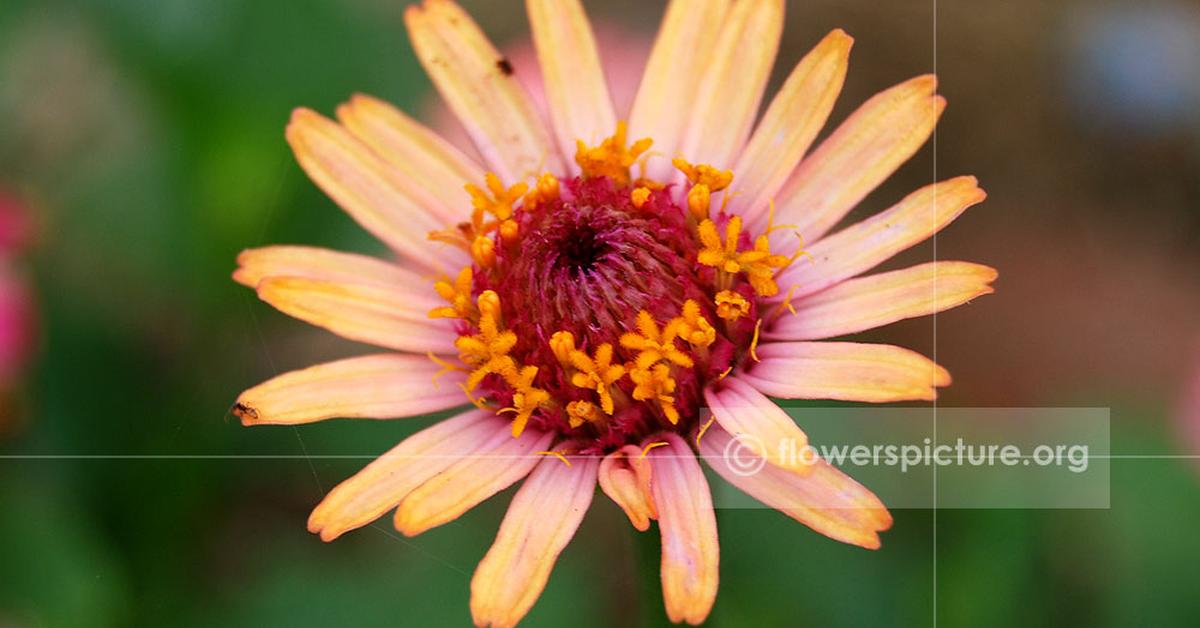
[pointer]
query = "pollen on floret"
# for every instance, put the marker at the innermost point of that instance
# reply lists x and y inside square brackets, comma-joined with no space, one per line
[731,305]
[612,158]
[704,180]
[458,294]
[656,384]
[714,179]
[655,344]
[526,398]
[639,196]
[758,263]
[497,200]
[580,412]
[483,251]
[597,373]
[546,190]
[694,328]
[488,350]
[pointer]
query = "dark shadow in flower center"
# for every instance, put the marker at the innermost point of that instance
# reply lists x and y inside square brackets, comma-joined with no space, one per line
[580,248]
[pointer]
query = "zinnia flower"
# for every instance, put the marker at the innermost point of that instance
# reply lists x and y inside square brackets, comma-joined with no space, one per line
[599,282]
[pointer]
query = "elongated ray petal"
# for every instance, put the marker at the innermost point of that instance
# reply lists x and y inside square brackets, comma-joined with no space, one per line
[475,81]
[877,300]
[541,520]
[386,386]
[576,90]
[824,499]
[848,371]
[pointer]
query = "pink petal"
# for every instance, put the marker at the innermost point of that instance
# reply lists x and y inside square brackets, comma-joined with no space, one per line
[386,386]
[877,300]
[756,420]
[690,553]
[825,499]
[541,520]
[381,485]
[499,461]
[864,245]
[625,478]
[847,371]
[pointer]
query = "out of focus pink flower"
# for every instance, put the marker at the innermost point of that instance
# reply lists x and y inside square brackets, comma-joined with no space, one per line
[1189,413]
[18,314]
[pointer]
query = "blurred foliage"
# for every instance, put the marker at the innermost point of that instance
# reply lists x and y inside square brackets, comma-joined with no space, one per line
[150,135]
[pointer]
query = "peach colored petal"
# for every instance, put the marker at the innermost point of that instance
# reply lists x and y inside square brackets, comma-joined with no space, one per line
[864,245]
[825,499]
[576,91]
[499,461]
[732,83]
[385,386]
[790,125]
[847,371]
[373,193]
[690,553]
[671,81]
[864,151]
[312,262]
[381,485]
[543,516]
[474,81]
[877,300]
[381,316]
[416,151]
[757,421]
[625,478]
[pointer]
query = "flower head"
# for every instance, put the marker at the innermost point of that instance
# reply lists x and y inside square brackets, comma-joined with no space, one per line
[604,293]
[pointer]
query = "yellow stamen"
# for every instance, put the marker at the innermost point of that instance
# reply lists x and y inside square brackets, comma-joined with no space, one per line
[580,412]
[483,251]
[754,340]
[526,399]
[544,191]
[459,296]
[731,305]
[488,350]
[497,200]
[653,344]
[698,199]
[725,373]
[562,343]
[703,429]
[714,179]
[785,304]
[772,227]
[509,230]
[646,450]
[655,383]
[694,327]
[639,196]
[446,366]
[489,304]
[598,373]
[612,158]
[556,455]
[479,402]
[758,263]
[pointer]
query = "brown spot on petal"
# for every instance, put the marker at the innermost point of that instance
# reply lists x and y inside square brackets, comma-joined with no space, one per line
[244,412]
[505,67]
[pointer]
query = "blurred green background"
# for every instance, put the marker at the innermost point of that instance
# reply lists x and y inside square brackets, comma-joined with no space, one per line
[146,139]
